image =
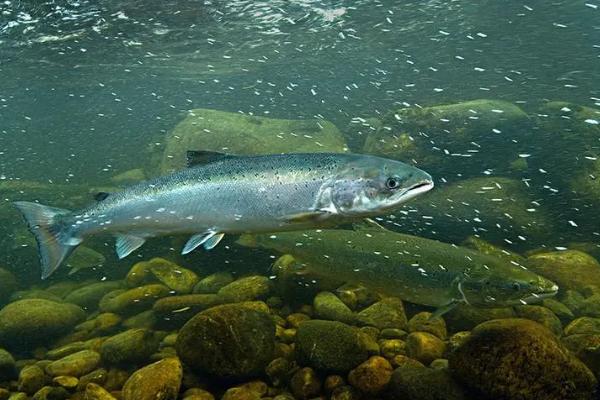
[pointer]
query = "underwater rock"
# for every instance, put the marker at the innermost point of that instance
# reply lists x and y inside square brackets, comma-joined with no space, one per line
[372,376]
[583,325]
[35,294]
[564,314]
[213,283]
[89,296]
[573,300]
[542,316]
[518,358]
[8,369]
[570,269]
[36,321]
[246,289]
[102,324]
[67,349]
[8,285]
[236,133]
[278,370]
[422,322]
[496,208]
[182,308]
[160,380]
[465,134]
[240,393]
[230,340]
[133,301]
[386,313]
[330,346]
[590,306]
[424,346]
[415,382]
[97,376]
[197,394]
[139,274]
[94,391]
[328,306]
[131,346]
[389,348]
[51,393]
[31,379]
[129,176]
[465,317]
[305,384]
[76,364]
[586,347]
[181,280]
[146,319]
[67,382]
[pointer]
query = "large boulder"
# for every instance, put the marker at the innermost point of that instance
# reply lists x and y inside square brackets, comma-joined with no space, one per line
[520,359]
[237,133]
[36,321]
[231,341]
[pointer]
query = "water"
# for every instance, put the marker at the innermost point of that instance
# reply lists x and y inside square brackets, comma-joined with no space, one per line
[89,90]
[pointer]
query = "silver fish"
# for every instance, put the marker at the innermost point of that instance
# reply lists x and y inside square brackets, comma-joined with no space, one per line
[221,194]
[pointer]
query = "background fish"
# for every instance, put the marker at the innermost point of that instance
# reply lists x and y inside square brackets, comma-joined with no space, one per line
[222,194]
[418,270]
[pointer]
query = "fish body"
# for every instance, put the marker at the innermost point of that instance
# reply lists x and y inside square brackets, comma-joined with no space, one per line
[221,194]
[416,269]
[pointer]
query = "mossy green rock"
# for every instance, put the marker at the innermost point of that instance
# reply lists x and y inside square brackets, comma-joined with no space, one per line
[31,379]
[131,346]
[520,359]
[146,319]
[330,346]
[51,393]
[36,321]
[328,306]
[414,382]
[89,296]
[76,364]
[464,317]
[422,322]
[35,294]
[570,269]
[386,313]
[244,134]
[424,347]
[160,380]
[97,392]
[542,316]
[213,283]
[177,278]
[102,324]
[134,300]
[583,325]
[246,289]
[8,370]
[230,340]
[182,308]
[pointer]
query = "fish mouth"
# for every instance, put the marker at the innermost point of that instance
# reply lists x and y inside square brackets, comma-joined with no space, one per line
[536,297]
[422,186]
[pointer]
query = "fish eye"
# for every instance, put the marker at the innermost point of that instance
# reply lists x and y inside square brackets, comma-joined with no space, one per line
[392,183]
[516,286]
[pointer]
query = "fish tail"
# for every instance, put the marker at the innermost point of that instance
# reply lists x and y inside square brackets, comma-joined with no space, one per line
[54,238]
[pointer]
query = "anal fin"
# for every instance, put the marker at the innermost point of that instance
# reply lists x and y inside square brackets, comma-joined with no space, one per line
[208,239]
[126,244]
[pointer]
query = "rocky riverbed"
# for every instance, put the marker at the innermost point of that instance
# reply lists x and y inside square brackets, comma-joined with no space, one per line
[169,332]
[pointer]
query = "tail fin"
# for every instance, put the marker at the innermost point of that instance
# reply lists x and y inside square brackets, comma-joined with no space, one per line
[55,243]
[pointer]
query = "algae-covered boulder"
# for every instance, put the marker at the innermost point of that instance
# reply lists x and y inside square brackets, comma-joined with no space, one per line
[520,359]
[8,285]
[372,376]
[36,321]
[465,317]
[386,313]
[328,306]
[213,283]
[570,269]
[182,308]
[133,300]
[88,296]
[131,346]
[495,208]
[236,133]
[415,382]
[7,366]
[246,289]
[230,340]
[76,364]
[330,346]
[160,380]
[180,279]
[466,135]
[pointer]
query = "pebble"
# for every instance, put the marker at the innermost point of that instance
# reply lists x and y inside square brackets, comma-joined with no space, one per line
[372,376]
[424,346]
[160,380]
[329,307]
[305,384]
[31,379]
[213,283]
[130,346]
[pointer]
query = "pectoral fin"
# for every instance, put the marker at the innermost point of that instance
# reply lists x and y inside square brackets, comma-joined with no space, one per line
[444,309]
[126,244]
[209,239]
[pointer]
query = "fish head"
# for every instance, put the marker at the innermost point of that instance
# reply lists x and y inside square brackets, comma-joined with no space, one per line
[502,287]
[370,186]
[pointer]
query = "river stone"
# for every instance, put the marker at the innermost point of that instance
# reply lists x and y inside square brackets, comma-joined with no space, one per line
[102,324]
[36,321]
[246,289]
[570,269]
[465,317]
[8,370]
[424,346]
[133,301]
[51,393]
[68,382]
[328,306]
[131,346]
[94,391]
[179,279]
[230,340]
[31,379]
[519,358]
[213,283]
[76,364]
[184,307]
[415,382]
[88,296]
[371,376]
[542,316]
[305,384]
[386,313]
[160,380]
[146,319]
[35,294]
[139,274]
[330,346]
[237,133]
[422,322]
[583,325]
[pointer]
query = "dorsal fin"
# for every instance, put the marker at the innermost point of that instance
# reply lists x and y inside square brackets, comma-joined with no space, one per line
[101,196]
[199,157]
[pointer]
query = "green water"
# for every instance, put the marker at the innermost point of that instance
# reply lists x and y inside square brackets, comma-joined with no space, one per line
[89,90]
